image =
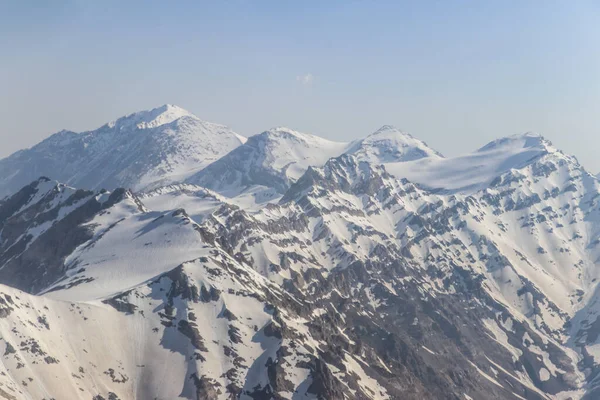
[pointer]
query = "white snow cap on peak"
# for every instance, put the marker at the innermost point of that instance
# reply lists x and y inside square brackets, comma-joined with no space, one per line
[284,131]
[522,140]
[285,136]
[153,118]
[279,130]
[390,144]
[389,129]
[390,132]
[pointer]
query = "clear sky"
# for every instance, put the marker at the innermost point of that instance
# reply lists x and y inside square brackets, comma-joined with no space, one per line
[453,73]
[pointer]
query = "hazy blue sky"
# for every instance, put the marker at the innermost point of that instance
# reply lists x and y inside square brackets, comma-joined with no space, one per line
[453,73]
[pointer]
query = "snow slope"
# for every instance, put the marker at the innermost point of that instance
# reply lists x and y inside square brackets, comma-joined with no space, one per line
[473,171]
[148,307]
[142,150]
[277,158]
[144,343]
[273,159]
[527,240]
[389,144]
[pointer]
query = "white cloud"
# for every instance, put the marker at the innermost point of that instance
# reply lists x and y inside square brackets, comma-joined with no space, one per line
[305,79]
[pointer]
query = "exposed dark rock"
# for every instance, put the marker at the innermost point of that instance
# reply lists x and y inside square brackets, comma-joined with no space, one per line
[206,389]
[190,329]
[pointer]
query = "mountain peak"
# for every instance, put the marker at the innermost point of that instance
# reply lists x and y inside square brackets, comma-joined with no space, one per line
[389,129]
[474,171]
[285,132]
[390,144]
[153,118]
[160,146]
[284,137]
[274,158]
[527,140]
[529,134]
[281,131]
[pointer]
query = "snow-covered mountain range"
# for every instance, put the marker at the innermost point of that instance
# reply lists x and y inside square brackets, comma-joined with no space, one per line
[288,266]
[142,150]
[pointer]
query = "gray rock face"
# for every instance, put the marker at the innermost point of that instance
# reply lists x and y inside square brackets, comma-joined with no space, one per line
[42,224]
